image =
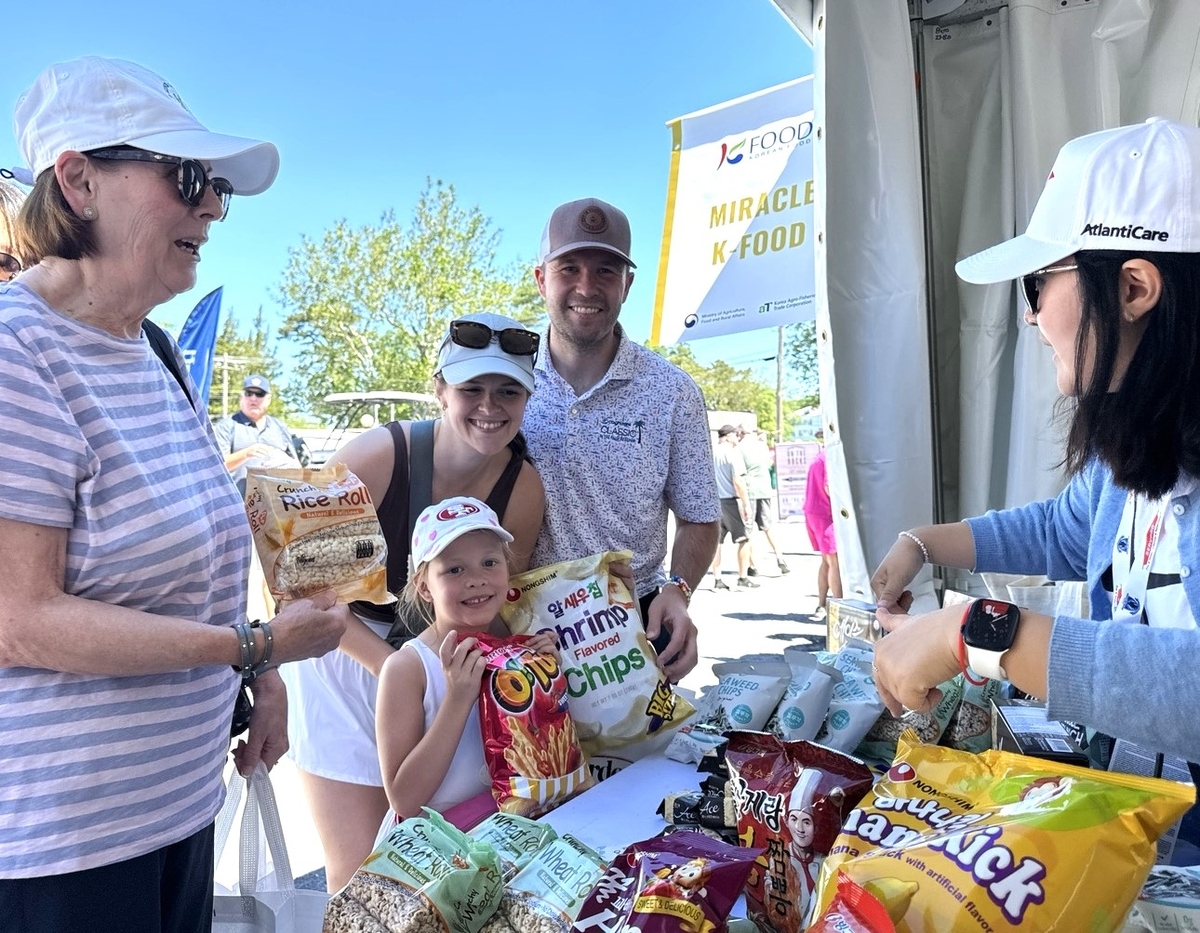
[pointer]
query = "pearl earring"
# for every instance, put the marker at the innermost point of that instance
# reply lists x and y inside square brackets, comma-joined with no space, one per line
[89,213]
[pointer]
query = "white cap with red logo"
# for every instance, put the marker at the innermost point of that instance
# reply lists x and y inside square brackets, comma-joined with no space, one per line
[447,521]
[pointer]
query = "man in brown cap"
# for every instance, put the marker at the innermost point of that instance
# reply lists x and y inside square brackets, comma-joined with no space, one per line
[619,435]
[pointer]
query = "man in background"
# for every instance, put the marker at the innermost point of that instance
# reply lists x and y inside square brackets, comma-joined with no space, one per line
[735,507]
[619,435]
[251,434]
[759,461]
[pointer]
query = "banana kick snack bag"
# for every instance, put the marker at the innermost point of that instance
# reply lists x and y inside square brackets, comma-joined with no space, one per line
[952,841]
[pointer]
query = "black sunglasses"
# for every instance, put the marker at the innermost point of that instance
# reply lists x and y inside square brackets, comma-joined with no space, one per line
[512,340]
[10,265]
[193,179]
[257,393]
[1031,284]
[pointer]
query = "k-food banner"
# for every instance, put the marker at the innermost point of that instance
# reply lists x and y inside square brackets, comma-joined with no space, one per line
[737,249]
[198,341]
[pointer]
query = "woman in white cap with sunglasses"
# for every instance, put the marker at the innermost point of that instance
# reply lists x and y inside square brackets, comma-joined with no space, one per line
[484,379]
[124,545]
[1109,269]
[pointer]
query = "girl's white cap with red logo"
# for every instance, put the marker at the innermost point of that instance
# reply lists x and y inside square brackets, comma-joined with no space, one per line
[1133,188]
[447,521]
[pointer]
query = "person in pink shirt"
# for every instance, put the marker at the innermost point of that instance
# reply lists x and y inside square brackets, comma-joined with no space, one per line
[818,517]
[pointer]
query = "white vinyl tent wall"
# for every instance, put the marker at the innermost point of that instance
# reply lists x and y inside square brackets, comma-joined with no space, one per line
[935,134]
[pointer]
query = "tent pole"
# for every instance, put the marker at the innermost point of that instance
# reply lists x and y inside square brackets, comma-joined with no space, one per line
[779,390]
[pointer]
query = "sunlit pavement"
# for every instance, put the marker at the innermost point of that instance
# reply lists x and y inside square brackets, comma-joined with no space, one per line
[731,624]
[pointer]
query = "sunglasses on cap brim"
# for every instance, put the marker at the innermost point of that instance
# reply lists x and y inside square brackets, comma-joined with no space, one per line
[513,340]
[192,180]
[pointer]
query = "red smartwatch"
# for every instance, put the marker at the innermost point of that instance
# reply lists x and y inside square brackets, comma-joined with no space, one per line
[989,628]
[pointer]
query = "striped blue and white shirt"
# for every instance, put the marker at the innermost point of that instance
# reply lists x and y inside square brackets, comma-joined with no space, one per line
[97,437]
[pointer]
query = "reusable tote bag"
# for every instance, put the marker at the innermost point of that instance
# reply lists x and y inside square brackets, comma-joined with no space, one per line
[261,901]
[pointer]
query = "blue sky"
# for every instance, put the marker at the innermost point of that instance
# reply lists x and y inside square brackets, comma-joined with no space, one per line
[520,105]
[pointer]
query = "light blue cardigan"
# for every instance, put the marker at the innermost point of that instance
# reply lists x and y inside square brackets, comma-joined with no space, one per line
[1130,681]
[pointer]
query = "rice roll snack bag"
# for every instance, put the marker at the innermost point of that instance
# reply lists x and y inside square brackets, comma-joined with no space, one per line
[316,529]
[880,742]
[683,882]
[547,894]
[970,728]
[529,741]
[618,696]
[424,875]
[790,798]
[954,841]
[515,838]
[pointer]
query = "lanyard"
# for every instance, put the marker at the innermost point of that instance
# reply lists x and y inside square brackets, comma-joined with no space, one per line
[1133,553]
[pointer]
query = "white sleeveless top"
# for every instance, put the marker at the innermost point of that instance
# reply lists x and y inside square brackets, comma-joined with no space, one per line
[468,775]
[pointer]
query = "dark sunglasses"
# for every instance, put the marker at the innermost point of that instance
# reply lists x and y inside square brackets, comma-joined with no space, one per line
[1031,284]
[193,179]
[255,392]
[10,265]
[512,340]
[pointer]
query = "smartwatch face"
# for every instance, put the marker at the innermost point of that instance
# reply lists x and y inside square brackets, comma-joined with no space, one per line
[991,625]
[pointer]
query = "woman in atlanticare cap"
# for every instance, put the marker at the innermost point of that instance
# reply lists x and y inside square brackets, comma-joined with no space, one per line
[483,381]
[1110,273]
[124,544]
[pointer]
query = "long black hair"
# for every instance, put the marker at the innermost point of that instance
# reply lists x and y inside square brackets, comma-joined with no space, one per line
[1148,430]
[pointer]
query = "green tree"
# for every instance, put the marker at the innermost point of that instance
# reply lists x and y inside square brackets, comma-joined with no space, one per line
[800,354]
[239,356]
[727,388]
[368,306]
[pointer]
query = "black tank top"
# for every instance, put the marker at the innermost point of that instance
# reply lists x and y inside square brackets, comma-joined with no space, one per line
[393,510]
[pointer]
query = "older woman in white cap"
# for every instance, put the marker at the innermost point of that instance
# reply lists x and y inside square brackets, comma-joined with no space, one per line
[1109,270]
[483,381]
[123,635]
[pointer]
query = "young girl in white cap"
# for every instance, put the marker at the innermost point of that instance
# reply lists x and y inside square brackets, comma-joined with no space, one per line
[427,719]
[1109,268]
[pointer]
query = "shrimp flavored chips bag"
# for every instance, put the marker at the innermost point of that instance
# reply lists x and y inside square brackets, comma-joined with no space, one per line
[617,694]
[951,841]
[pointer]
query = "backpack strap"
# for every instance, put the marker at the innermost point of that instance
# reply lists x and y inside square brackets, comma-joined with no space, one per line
[420,471]
[161,345]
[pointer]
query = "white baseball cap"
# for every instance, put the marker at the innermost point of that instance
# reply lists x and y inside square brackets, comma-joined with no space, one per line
[93,103]
[458,364]
[447,521]
[1134,188]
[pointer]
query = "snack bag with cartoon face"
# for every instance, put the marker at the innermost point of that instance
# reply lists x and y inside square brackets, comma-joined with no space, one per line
[948,841]
[790,798]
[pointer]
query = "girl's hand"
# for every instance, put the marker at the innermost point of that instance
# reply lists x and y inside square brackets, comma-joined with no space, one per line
[463,664]
[545,642]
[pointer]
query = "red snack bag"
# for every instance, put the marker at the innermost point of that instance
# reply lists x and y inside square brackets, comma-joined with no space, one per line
[529,740]
[679,883]
[852,910]
[791,798]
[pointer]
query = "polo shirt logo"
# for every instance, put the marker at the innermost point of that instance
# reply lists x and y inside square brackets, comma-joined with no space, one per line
[627,432]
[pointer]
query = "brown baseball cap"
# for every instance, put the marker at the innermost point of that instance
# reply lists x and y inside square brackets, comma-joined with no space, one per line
[585,224]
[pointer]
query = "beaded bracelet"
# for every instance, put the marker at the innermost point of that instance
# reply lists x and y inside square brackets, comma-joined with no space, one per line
[918,542]
[684,588]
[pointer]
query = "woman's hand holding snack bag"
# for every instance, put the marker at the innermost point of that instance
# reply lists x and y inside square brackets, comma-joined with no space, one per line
[462,661]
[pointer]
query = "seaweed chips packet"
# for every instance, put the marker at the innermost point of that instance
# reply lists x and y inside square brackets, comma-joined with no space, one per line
[423,875]
[529,739]
[790,798]
[684,882]
[618,695]
[315,529]
[950,840]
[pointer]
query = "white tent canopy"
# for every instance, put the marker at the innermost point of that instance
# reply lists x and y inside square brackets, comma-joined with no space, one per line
[937,123]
